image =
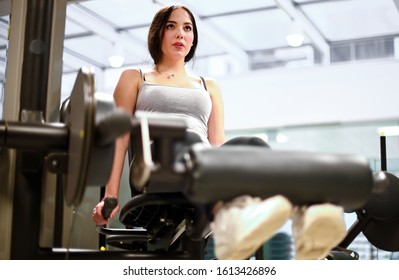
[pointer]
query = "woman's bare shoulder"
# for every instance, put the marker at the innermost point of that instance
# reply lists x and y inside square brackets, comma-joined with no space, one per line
[131,73]
[212,85]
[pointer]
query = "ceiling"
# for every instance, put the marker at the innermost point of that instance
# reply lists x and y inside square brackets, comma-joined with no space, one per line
[234,36]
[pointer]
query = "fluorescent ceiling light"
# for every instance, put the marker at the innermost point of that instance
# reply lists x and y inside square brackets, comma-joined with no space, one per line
[116,61]
[117,58]
[295,39]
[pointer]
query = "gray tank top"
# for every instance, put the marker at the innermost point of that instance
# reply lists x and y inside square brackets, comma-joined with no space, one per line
[194,105]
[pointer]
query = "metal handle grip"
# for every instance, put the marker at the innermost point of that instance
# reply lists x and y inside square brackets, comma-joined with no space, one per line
[109,205]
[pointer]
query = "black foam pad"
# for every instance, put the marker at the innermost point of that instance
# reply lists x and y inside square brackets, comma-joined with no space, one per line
[302,177]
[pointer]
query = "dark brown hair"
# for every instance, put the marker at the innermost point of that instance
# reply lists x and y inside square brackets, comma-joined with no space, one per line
[157,29]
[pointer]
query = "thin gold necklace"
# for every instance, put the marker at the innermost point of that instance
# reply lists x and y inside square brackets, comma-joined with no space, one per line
[168,76]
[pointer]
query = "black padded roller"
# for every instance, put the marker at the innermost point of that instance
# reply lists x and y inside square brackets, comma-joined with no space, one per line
[302,177]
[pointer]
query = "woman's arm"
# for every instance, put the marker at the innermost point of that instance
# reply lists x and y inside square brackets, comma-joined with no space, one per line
[216,133]
[125,96]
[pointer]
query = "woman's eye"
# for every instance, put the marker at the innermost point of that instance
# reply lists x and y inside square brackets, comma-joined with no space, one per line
[188,28]
[169,26]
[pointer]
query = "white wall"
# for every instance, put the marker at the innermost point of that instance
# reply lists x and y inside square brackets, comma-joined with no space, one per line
[360,91]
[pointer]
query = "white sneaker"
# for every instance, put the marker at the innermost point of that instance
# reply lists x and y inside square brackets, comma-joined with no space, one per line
[317,229]
[243,225]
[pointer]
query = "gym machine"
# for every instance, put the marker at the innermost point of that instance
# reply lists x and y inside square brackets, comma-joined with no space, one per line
[171,172]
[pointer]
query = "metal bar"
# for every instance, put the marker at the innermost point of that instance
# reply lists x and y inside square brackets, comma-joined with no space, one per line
[33,136]
[355,230]
[36,55]
[11,112]
[78,254]
[29,167]
[383,151]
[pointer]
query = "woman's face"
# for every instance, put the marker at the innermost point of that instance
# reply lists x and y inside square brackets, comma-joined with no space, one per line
[178,35]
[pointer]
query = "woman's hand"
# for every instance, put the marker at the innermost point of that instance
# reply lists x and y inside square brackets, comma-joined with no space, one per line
[97,215]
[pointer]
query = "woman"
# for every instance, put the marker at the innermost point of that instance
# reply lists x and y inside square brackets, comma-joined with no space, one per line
[240,226]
